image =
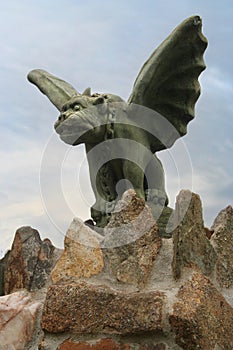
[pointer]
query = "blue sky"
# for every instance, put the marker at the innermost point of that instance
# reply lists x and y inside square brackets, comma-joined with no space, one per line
[102,44]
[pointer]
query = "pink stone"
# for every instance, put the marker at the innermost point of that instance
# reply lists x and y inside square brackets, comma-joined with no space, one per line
[17,320]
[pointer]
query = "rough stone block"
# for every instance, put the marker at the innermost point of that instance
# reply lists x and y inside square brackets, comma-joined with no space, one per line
[202,319]
[17,320]
[84,308]
[108,344]
[30,261]
[222,240]
[82,256]
[3,263]
[103,344]
[131,241]
[192,248]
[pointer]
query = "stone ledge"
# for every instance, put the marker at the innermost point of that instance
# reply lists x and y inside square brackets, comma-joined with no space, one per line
[84,308]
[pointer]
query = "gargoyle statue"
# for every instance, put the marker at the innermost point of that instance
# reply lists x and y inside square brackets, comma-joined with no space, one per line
[121,138]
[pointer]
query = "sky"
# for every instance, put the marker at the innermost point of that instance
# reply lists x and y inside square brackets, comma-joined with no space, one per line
[44,183]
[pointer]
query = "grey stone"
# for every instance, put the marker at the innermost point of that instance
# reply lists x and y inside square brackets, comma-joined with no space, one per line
[192,248]
[222,240]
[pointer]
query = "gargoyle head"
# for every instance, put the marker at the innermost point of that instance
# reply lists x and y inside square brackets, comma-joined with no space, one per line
[83,118]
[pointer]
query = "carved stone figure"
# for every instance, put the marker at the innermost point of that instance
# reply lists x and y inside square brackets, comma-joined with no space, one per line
[121,138]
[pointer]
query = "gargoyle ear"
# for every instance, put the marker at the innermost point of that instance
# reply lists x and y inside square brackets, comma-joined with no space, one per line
[57,90]
[87,92]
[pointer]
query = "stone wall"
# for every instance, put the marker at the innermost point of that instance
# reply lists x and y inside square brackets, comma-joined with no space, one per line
[128,289]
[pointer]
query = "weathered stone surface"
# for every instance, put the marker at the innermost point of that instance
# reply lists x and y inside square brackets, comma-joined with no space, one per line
[22,260]
[103,344]
[222,240]
[191,246]
[108,344]
[202,319]
[160,346]
[131,240]
[3,263]
[102,312]
[30,261]
[84,308]
[17,320]
[82,256]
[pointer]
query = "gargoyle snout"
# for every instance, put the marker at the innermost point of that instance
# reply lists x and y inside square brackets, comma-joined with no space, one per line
[56,124]
[63,116]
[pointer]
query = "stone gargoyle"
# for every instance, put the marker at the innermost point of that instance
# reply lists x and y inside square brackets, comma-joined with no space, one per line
[121,138]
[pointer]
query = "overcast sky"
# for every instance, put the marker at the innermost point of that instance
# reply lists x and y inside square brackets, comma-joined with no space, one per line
[102,44]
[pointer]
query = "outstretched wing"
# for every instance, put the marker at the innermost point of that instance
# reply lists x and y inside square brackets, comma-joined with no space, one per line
[57,90]
[168,81]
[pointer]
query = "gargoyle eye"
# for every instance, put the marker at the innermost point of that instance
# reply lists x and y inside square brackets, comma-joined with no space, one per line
[77,107]
[98,101]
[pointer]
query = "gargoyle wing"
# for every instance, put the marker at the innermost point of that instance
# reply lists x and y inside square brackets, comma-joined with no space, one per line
[57,90]
[168,81]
